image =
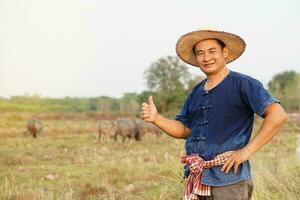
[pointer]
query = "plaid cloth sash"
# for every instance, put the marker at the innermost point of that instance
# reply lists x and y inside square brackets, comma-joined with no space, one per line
[193,188]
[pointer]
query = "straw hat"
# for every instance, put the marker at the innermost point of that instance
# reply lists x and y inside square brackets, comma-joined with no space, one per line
[185,45]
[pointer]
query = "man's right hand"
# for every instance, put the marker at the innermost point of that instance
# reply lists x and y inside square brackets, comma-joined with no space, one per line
[171,127]
[149,111]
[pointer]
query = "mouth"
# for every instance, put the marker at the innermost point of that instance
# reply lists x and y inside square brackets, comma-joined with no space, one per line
[208,64]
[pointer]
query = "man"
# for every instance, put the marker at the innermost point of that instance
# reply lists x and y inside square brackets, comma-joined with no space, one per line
[217,118]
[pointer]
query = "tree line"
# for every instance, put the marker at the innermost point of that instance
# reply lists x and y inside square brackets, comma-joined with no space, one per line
[168,81]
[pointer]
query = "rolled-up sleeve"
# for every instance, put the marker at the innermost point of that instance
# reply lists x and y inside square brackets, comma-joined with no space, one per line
[183,116]
[256,96]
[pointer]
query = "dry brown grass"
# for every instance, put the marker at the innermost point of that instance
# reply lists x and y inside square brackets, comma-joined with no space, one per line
[80,168]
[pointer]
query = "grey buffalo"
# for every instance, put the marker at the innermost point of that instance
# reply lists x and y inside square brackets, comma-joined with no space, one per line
[35,127]
[128,128]
[105,129]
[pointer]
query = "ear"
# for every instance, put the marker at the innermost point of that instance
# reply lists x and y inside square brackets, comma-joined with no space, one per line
[225,52]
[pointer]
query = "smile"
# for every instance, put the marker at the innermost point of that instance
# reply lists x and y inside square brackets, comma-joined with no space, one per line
[208,65]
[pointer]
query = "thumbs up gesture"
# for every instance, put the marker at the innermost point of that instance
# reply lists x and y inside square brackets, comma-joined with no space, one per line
[149,111]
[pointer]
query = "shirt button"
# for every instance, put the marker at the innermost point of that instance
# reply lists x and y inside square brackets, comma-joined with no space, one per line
[204,122]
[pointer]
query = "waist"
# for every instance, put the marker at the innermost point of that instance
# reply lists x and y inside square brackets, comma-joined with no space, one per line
[215,177]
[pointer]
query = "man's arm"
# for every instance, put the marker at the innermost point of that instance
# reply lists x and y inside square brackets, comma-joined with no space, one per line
[275,116]
[173,128]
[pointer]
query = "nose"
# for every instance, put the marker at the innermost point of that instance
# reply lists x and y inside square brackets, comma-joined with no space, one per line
[206,57]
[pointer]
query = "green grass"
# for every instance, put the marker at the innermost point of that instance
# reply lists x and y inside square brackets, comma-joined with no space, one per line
[150,169]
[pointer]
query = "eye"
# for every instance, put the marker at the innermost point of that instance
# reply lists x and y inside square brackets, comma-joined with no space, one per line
[212,51]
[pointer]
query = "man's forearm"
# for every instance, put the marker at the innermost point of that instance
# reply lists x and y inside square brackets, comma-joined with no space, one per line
[269,128]
[173,128]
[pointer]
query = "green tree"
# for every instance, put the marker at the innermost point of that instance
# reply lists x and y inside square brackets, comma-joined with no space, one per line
[128,103]
[143,97]
[167,79]
[286,86]
[167,74]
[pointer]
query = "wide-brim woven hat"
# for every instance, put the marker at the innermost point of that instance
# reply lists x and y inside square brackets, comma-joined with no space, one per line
[185,45]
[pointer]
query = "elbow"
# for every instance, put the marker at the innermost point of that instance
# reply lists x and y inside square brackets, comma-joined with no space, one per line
[284,117]
[277,113]
[281,117]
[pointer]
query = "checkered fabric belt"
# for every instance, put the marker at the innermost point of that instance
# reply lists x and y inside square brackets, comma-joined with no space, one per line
[193,188]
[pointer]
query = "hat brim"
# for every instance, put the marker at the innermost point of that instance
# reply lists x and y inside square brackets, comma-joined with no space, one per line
[185,45]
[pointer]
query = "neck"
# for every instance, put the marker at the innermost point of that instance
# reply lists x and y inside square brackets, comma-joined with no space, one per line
[216,78]
[219,76]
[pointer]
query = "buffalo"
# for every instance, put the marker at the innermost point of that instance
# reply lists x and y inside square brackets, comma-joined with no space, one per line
[35,127]
[128,128]
[105,129]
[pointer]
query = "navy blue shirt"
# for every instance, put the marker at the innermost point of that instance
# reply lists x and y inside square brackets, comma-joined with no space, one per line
[221,119]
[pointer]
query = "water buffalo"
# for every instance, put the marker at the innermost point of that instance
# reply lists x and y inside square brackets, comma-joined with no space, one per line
[128,128]
[35,127]
[105,129]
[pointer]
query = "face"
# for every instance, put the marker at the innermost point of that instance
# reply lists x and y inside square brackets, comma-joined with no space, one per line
[211,58]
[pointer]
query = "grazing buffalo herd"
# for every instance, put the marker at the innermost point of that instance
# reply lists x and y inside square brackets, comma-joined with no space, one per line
[121,128]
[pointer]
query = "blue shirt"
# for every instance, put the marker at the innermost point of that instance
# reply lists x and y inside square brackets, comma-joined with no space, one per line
[221,119]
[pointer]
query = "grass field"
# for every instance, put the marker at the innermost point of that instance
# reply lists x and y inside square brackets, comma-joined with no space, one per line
[66,162]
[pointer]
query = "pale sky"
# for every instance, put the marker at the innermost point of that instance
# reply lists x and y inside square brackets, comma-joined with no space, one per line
[89,48]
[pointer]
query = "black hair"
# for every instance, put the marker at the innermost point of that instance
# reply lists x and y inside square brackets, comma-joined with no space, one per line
[221,43]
